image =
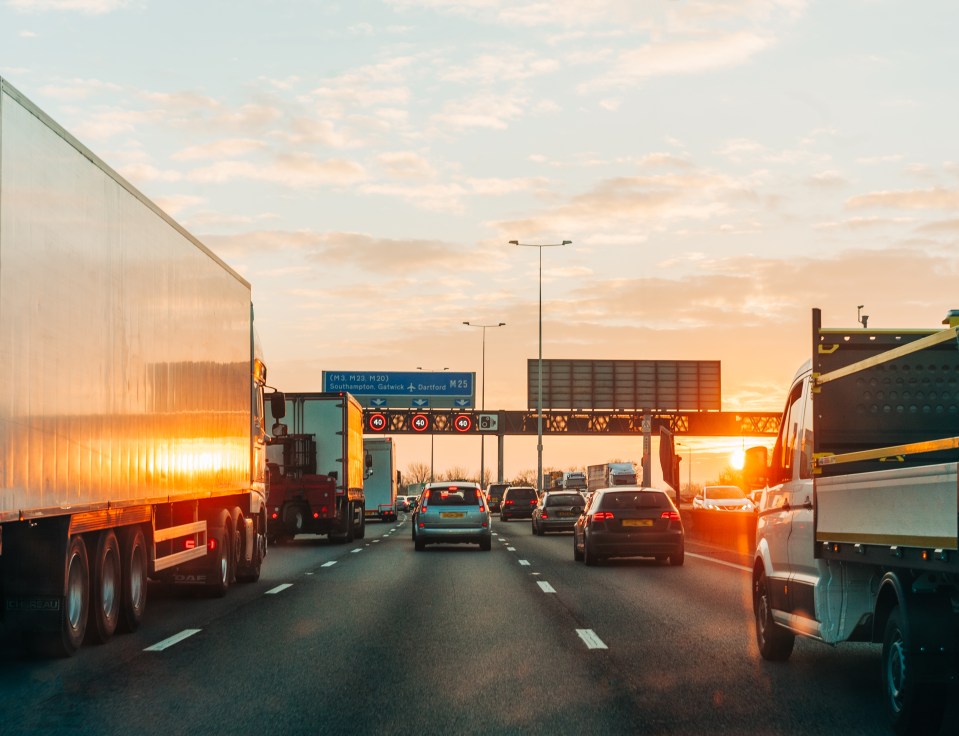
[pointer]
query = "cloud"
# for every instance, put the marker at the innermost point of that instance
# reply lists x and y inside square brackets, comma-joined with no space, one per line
[291,170]
[406,165]
[223,148]
[89,7]
[916,199]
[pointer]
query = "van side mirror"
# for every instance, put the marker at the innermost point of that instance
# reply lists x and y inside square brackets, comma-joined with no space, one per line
[755,467]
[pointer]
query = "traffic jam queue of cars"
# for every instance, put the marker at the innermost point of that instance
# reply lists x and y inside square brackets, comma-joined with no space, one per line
[624,521]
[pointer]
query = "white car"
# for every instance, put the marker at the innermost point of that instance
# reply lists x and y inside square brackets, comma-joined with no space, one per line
[723,498]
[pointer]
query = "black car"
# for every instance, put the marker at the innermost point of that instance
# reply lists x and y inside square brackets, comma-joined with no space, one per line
[518,503]
[557,511]
[629,521]
[494,495]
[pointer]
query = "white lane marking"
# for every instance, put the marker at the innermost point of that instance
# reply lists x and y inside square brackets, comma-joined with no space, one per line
[592,641]
[547,588]
[278,589]
[534,573]
[175,639]
[328,564]
[511,549]
[720,562]
[354,551]
[376,541]
[524,562]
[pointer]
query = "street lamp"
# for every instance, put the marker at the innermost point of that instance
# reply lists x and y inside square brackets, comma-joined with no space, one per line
[689,482]
[539,378]
[483,395]
[432,433]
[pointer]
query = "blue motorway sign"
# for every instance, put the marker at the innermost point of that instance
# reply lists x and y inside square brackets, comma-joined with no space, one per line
[407,389]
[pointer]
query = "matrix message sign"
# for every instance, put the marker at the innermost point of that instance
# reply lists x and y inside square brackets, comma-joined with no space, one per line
[405,389]
[684,385]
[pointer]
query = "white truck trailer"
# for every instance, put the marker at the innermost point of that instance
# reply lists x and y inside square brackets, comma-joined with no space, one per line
[857,533]
[131,433]
[610,474]
[382,478]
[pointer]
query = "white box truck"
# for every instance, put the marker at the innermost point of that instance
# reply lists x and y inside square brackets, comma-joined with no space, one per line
[131,415]
[857,534]
[382,478]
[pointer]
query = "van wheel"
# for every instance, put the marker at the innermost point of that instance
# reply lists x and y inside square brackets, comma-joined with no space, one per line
[775,643]
[914,707]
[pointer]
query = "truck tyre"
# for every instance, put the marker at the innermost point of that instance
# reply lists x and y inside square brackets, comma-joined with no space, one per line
[105,586]
[251,573]
[914,707]
[76,604]
[361,534]
[221,563]
[133,578]
[237,543]
[775,643]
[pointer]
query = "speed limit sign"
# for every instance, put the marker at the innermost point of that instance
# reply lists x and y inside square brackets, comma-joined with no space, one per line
[420,422]
[377,422]
[463,423]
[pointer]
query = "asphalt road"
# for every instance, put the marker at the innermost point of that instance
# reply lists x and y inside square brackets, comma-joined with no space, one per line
[374,637]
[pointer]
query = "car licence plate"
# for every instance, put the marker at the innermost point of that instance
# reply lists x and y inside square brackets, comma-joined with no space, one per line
[566,513]
[637,522]
[452,515]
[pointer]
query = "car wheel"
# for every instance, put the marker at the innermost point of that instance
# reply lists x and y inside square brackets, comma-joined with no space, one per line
[775,643]
[577,554]
[419,544]
[486,544]
[588,555]
[676,558]
[503,517]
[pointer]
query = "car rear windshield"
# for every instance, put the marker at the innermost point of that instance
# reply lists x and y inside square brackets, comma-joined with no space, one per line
[453,496]
[566,499]
[635,500]
[521,493]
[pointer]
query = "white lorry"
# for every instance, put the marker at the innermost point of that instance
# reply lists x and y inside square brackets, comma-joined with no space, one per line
[856,535]
[132,443]
[610,474]
[382,478]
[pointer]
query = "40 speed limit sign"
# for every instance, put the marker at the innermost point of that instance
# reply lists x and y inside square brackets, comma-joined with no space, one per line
[463,423]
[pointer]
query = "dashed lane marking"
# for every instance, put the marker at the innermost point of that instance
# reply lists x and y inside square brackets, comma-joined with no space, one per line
[278,589]
[524,562]
[329,564]
[169,642]
[547,588]
[592,641]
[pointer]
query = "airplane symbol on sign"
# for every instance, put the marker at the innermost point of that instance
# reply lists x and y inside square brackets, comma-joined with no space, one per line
[411,388]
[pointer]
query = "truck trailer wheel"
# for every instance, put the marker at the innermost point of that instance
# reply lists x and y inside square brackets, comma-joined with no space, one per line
[250,573]
[76,605]
[105,588]
[775,643]
[914,707]
[133,578]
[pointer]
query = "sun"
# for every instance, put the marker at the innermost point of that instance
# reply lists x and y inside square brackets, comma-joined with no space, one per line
[737,459]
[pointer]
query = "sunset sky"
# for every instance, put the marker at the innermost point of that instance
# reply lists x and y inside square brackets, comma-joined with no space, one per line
[720,166]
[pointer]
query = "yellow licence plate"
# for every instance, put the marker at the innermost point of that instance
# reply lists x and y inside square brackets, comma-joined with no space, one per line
[452,515]
[637,522]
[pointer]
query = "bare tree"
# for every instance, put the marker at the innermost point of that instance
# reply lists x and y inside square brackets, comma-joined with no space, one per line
[416,473]
[525,478]
[455,473]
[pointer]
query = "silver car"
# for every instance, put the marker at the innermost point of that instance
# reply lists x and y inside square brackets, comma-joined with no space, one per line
[452,513]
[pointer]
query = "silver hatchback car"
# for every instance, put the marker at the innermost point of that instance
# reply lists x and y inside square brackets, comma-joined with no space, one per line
[452,513]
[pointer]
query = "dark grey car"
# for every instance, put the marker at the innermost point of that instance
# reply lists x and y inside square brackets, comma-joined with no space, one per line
[557,511]
[518,503]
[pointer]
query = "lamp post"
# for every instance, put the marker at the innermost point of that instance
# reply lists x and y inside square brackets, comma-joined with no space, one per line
[483,395]
[689,467]
[539,375]
[432,433]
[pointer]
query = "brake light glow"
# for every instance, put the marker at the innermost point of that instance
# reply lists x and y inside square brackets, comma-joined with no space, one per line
[671,515]
[532,502]
[189,544]
[316,514]
[544,515]
[603,516]
[508,502]
[211,544]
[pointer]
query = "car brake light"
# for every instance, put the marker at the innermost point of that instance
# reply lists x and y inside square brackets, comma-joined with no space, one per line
[532,502]
[603,516]
[544,515]
[671,515]
[507,502]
